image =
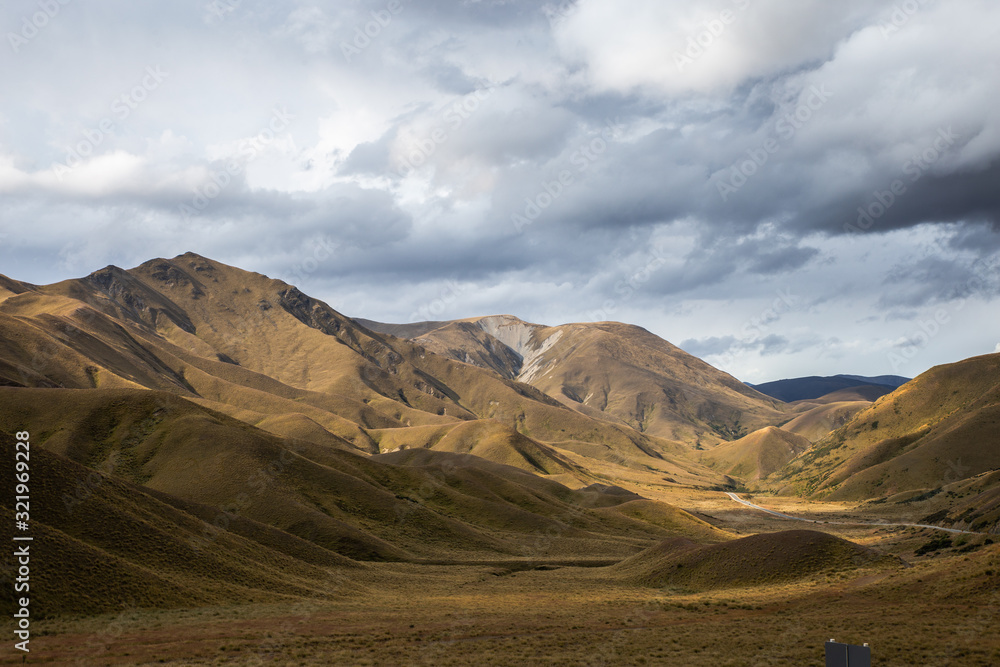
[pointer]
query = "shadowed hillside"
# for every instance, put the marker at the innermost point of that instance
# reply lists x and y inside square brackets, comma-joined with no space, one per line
[970,504]
[758,560]
[483,438]
[818,420]
[109,544]
[323,505]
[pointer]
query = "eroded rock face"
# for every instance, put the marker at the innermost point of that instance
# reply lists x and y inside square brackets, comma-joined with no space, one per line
[138,302]
[523,339]
[309,311]
[510,331]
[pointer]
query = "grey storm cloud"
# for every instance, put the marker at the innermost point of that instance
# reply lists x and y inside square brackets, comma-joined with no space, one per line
[565,159]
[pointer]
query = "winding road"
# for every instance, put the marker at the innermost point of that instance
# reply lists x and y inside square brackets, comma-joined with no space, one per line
[782,515]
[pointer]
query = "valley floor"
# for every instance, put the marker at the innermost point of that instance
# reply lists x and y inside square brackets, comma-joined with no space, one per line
[942,610]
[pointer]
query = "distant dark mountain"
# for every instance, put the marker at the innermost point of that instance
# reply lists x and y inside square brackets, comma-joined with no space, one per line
[894,381]
[807,388]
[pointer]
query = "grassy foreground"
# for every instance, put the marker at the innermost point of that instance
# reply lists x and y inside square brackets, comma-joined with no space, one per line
[942,611]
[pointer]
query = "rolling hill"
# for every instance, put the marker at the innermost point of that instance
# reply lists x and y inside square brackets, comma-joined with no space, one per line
[817,419]
[344,502]
[757,455]
[186,411]
[152,500]
[758,560]
[109,544]
[940,428]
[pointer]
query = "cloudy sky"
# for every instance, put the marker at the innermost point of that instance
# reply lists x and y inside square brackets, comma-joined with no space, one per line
[783,187]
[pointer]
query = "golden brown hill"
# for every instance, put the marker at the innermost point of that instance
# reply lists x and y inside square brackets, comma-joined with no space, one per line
[51,340]
[750,561]
[487,439]
[818,421]
[10,287]
[618,507]
[940,428]
[608,370]
[221,469]
[978,507]
[259,350]
[271,328]
[757,455]
[468,342]
[677,522]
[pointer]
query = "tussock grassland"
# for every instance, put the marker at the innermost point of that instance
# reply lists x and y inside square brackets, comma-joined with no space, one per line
[934,613]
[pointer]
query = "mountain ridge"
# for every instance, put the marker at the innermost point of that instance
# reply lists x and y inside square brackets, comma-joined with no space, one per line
[616,371]
[815,386]
[250,346]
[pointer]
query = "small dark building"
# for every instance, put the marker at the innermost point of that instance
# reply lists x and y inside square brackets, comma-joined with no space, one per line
[847,655]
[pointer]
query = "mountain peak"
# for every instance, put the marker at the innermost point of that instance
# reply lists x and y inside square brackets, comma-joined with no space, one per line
[109,270]
[192,255]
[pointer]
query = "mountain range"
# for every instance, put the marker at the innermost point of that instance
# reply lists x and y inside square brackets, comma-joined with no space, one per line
[207,434]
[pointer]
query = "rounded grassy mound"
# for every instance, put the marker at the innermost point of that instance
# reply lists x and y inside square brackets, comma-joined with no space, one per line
[769,558]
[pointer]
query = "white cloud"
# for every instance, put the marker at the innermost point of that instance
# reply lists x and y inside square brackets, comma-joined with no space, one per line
[677,47]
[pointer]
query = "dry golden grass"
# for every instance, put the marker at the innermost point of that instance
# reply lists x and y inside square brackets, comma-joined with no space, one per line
[460,615]
[486,439]
[755,561]
[818,421]
[209,476]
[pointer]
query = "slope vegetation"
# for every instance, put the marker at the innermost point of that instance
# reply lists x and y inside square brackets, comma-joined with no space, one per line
[757,455]
[817,420]
[483,438]
[108,544]
[940,428]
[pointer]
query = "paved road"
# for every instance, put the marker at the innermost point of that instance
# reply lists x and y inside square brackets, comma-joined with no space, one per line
[782,515]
